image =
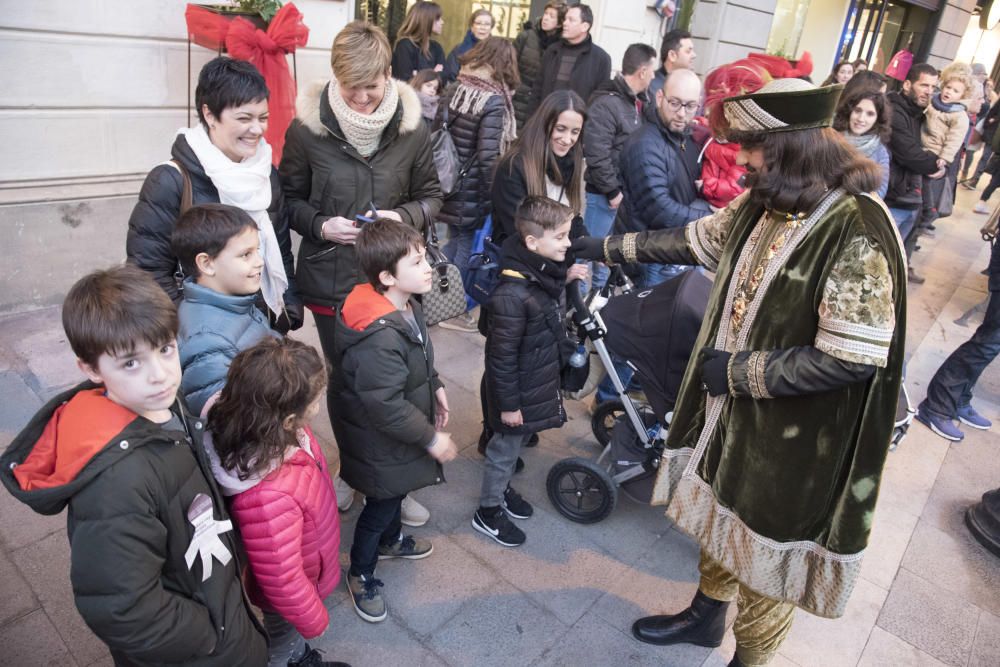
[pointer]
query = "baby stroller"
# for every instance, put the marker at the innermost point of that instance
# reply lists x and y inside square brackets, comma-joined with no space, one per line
[654,331]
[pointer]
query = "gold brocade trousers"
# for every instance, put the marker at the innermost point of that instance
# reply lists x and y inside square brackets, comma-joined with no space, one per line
[761,623]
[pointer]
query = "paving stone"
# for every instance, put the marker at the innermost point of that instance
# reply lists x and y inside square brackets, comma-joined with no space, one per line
[593,642]
[17,599]
[425,594]
[452,504]
[355,641]
[891,531]
[910,471]
[46,565]
[930,618]
[502,627]
[954,561]
[32,641]
[18,404]
[50,358]
[823,642]
[662,581]
[886,649]
[969,469]
[20,525]
[986,648]
[557,566]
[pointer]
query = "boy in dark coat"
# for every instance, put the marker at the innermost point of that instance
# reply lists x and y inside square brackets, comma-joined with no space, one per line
[154,562]
[526,349]
[393,406]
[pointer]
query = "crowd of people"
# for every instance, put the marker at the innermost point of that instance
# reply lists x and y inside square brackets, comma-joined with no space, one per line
[195,484]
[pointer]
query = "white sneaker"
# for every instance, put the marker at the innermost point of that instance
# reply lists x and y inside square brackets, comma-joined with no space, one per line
[981,207]
[413,513]
[466,323]
[345,494]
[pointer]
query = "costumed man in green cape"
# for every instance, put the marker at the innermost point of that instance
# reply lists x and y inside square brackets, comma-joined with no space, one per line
[783,420]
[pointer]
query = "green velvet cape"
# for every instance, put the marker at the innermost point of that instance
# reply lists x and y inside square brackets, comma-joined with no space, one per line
[782,491]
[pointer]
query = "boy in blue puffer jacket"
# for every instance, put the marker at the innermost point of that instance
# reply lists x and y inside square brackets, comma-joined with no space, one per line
[217,246]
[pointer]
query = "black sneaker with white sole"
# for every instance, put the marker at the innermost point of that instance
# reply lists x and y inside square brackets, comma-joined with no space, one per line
[516,506]
[493,522]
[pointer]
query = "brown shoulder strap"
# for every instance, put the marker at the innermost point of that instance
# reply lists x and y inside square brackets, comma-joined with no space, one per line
[186,202]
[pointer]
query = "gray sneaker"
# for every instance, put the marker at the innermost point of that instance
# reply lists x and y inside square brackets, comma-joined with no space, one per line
[407,547]
[367,597]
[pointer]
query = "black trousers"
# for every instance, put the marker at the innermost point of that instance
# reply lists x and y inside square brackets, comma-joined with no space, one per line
[378,525]
[952,385]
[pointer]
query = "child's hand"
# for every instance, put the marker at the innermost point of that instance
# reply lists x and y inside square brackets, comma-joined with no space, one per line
[577,272]
[441,414]
[443,449]
[514,418]
[941,163]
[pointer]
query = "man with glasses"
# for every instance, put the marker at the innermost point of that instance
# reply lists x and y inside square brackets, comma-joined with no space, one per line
[660,169]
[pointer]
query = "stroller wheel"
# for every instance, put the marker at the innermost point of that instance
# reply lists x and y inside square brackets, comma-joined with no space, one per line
[581,490]
[606,414]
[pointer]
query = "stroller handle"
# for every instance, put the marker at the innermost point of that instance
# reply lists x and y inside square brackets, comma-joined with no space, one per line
[580,311]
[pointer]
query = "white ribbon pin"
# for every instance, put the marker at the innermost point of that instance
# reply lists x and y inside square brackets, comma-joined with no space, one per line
[205,541]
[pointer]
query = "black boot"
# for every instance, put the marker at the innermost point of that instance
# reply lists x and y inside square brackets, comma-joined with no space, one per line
[701,624]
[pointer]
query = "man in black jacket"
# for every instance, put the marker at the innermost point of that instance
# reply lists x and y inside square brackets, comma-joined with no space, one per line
[659,168]
[614,112]
[573,62]
[676,52]
[909,159]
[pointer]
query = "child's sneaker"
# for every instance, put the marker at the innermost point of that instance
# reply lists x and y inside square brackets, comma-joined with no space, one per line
[942,426]
[407,547]
[968,416]
[367,597]
[516,506]
[980,207]
[493,521]
[345,494]
[413,514]
[312,658]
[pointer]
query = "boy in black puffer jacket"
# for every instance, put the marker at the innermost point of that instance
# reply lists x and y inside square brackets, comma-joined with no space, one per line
[526,349]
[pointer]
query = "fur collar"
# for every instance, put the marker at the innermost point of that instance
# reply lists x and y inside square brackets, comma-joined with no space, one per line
[307,107]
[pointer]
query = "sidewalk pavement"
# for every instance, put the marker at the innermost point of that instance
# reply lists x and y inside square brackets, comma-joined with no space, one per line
[928,594]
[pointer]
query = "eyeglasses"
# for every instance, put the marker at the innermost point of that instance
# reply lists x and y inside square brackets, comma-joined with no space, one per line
[675,104]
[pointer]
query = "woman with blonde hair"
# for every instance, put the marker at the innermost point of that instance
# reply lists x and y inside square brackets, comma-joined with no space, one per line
[480,27]
[415,47]
[357,147]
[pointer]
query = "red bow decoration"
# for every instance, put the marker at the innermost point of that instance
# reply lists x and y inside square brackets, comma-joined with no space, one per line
[265,50]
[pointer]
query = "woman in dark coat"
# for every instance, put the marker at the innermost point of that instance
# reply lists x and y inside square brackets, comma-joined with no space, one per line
[227,160]
[480,27]
[357,142]
[480,117]
[415,49]
[530,45]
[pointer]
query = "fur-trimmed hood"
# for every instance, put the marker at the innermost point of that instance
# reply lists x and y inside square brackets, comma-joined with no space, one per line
[307,107]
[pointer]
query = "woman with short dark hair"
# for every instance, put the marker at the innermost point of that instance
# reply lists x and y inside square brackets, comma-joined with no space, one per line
[226,160]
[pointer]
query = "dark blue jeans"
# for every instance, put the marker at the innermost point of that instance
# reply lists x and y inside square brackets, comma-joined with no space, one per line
[378,525]
[952,385]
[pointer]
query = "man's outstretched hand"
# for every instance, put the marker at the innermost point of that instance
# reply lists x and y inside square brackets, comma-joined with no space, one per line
[588,247]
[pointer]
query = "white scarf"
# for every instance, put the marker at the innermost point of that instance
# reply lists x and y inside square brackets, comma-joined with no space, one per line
[246,185]
[361,131]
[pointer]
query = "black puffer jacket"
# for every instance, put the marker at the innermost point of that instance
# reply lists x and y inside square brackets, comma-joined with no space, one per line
[385,417]
[658,169]
[129,530]
[526,343]
[591,68]
[613,113]
[155,214]
[530,45]
[477,138]
[909,159]
[324,176]
[408,59]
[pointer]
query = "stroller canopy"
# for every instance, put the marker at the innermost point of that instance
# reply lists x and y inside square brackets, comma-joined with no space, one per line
[655,329]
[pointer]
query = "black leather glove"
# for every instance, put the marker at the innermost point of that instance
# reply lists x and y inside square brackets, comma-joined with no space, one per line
[714,375]
[588,247]
[291,319]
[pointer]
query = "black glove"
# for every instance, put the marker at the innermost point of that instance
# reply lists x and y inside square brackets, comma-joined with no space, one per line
[714,372]
[588,247]
[291,319]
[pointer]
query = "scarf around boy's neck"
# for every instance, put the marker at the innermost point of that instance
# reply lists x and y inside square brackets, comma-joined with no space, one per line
[549,274]
[364,132]
[946,107]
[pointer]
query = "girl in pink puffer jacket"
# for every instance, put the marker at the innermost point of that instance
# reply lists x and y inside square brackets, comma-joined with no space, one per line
[266,459]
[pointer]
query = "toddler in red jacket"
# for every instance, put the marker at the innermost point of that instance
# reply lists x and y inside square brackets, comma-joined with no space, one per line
[266,459]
